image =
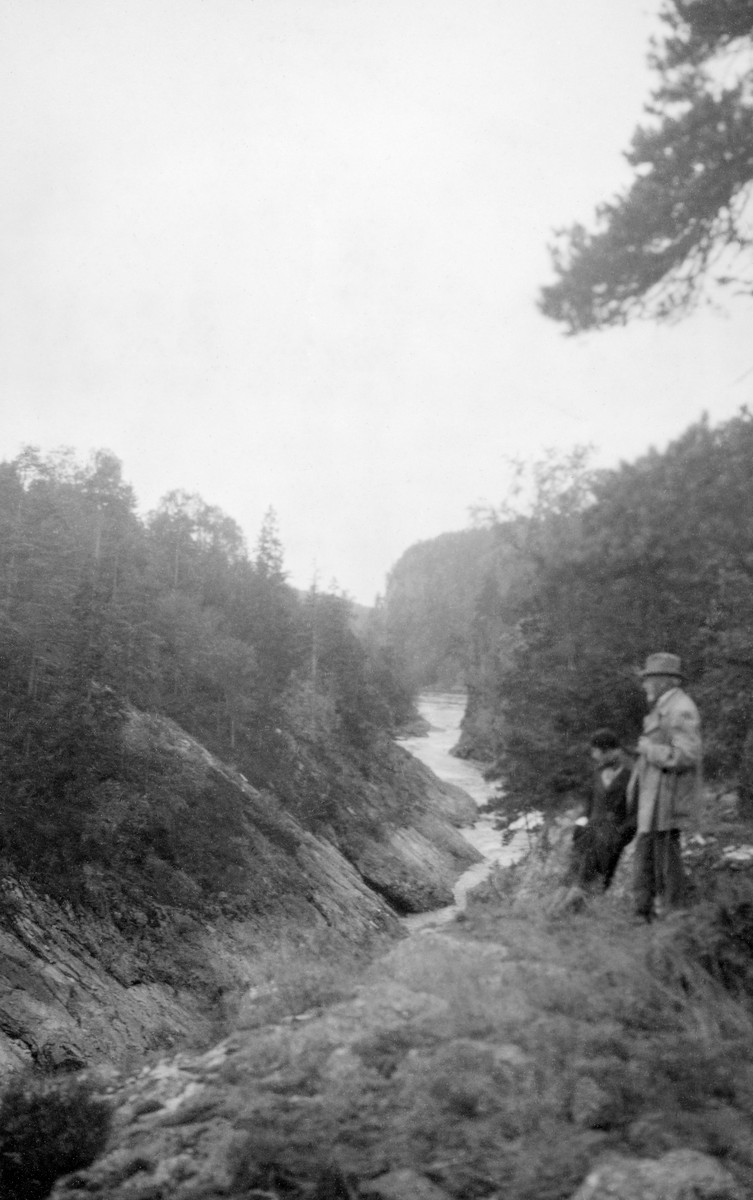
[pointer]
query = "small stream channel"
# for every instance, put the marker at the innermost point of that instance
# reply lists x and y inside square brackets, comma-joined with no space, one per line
[444,712]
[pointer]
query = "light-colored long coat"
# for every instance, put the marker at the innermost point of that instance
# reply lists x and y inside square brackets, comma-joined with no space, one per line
[668,771]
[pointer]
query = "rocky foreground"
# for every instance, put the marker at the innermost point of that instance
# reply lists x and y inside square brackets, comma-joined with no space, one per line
[511,1054]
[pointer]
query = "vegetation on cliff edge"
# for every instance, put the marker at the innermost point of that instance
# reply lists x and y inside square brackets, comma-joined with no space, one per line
[103,613]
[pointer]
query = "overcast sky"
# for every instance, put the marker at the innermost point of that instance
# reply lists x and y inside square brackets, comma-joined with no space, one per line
[286,253]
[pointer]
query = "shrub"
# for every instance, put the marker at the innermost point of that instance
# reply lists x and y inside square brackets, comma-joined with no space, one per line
[47,1129]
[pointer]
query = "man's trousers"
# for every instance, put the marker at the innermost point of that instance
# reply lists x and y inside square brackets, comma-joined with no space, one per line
[596,853]
[659,873]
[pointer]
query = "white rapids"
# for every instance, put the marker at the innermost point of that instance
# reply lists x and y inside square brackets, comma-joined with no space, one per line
[444,712]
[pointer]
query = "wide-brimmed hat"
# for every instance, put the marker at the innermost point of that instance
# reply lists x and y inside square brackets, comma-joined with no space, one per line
[662,664]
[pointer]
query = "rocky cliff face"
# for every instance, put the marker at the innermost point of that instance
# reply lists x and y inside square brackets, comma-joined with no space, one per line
[76,989]
[134,970]
[415,851]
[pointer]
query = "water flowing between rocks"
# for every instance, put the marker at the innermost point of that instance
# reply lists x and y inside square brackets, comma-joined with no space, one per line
[444,712]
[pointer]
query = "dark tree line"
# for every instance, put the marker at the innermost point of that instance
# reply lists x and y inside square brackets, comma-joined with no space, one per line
[657,554]
[101,610]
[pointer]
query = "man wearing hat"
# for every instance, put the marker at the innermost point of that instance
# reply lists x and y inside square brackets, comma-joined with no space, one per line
[667,778]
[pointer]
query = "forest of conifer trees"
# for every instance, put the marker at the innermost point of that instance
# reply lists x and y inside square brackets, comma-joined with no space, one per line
[103,612]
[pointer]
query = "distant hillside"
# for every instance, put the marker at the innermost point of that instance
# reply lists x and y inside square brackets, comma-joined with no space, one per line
[430,601]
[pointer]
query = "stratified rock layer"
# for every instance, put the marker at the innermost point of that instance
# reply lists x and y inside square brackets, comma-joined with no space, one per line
[115,980]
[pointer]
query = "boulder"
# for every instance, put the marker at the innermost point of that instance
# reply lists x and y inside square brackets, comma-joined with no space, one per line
[678,1175]
[591,1106]
[402,1184]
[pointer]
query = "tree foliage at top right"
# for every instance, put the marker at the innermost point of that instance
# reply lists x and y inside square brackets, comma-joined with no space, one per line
[685,222]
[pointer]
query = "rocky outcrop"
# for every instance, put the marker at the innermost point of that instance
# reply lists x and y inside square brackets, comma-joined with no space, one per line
[74,989]
[679,1175]
[403,1184]
[419,852]
[134,971]
[201,1125]
[478,729]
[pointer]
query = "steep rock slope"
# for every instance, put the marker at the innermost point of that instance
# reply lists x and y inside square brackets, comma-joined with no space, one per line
[146,961]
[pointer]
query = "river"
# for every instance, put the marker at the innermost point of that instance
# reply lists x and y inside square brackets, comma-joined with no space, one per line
[444,712]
